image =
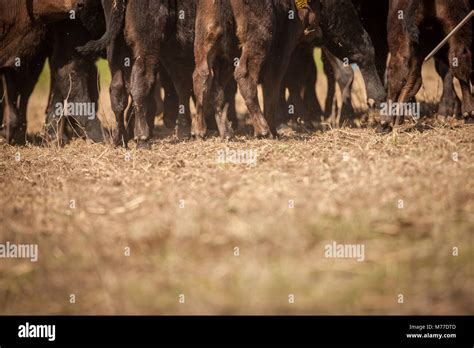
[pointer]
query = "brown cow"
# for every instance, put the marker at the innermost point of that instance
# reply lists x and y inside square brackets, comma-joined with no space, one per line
[254,38]
[415,27]
[22,24]
[19,17]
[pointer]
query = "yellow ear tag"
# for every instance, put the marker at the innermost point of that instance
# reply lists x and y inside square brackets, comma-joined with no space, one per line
[301,4]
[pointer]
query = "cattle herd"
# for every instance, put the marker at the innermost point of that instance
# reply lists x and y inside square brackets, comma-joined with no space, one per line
[209,50]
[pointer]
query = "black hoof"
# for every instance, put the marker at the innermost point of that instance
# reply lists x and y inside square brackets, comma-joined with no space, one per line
[143,144]
[469,120]
[198,137]
[384,128]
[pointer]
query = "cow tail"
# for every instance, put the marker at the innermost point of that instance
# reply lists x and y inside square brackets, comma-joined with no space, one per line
[114,27]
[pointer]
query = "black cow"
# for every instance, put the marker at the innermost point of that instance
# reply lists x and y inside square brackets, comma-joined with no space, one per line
[73,100]
[300,80]
[344,39]
[143,37]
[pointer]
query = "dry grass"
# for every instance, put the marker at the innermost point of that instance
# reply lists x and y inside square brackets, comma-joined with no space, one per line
[190,250]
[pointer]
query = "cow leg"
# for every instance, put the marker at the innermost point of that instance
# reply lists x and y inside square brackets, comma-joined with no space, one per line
[412,86]
[299,76]
[255,47]
[449,105]
[119,102]
[461,65]
[230,92]
[404,77]
[13,120]
[141,85]
[344,75]
[90,126]
[223,74]
[273,78]
[205,48]
[246,75]
[2,99]
[331,89]
[297,93]
[346,79]
[184,86]
[296,76]
[282,116]
[55,116]
[310,98]
[271,87]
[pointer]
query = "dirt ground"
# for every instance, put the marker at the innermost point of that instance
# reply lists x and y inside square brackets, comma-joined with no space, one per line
[175,231]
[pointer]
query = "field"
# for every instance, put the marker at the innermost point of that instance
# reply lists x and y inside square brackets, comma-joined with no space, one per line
[176,231]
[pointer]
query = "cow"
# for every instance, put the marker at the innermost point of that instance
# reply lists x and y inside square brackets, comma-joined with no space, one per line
[2,98]
[19,17]
[414,28]
[374,20]
[373,17]
[73,100]
[18,84]
[22,26]
[255,41]
[345,37]
[143,37]
[300,80]
[345,40]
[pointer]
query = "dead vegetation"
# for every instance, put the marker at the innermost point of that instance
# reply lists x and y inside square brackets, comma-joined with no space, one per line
[182,214]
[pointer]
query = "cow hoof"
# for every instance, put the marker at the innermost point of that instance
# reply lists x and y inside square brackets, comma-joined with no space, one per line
[309,128]
[227,136]
[285,130]
[383,128]
[198,137]
[143,144]
[169,122]
[120,141]
[469,120]
[262,134]
[183,132]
